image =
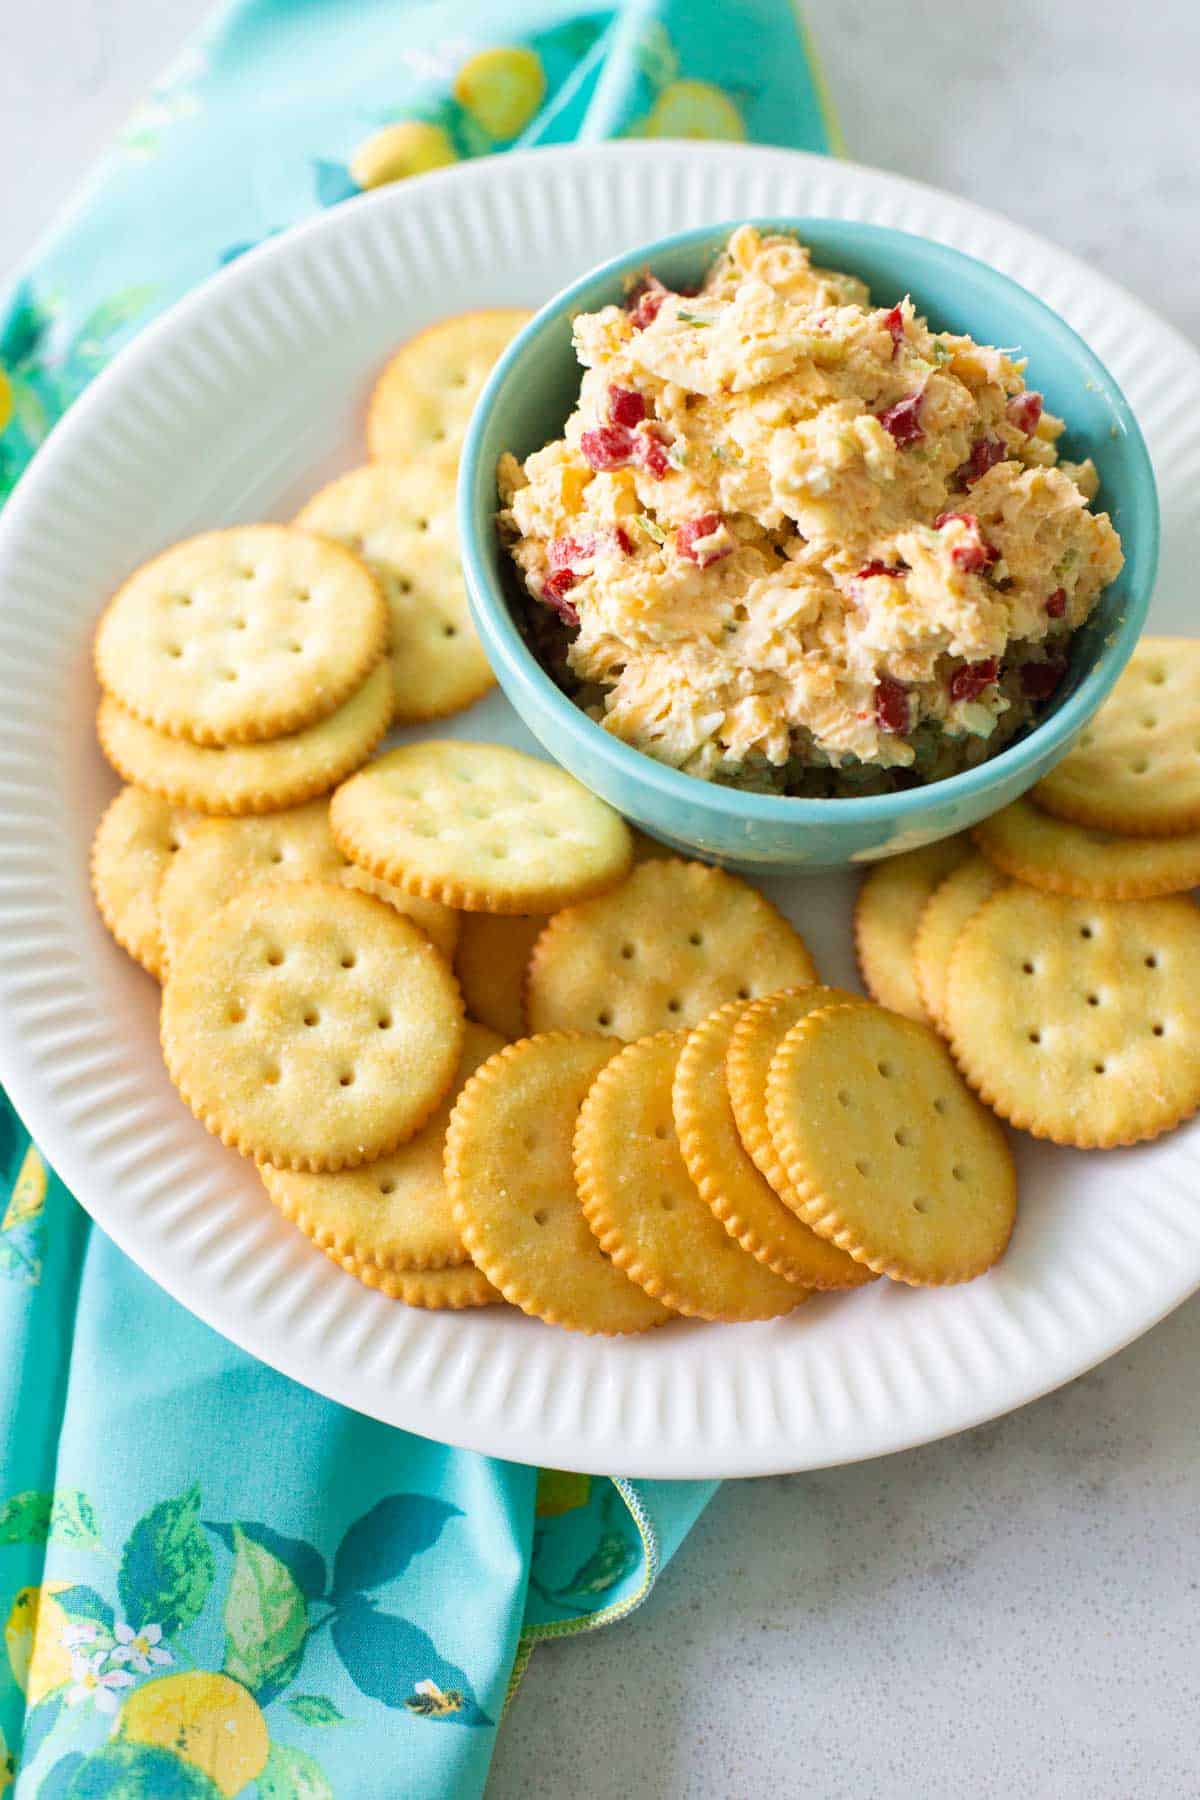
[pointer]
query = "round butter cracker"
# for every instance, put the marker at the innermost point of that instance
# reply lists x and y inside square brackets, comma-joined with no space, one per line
[394,1214]
[645,1209]
[510,1175]
[480,827]
[892,1157]
[1135,767]
[235,779]
[944,914]
[1079,1020]
[886,914]
[663,950]
[224,857]
[756,1036]
[423,401]
[716,1159]
[240,635]
[1061,858]
[136,841]
[400,521]
[310,1026]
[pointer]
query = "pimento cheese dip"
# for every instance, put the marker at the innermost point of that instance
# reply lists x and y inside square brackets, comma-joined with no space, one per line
[795,542]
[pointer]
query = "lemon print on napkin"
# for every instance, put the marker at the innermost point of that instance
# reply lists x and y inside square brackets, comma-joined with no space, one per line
[208,1720]
[693,109]
[501,89]
[33,1636]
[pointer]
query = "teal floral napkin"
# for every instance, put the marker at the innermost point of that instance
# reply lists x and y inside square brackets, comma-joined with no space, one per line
[213,1582]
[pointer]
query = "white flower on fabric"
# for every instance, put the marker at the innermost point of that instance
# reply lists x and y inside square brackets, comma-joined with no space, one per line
[141,1649]
[87,1683]
[82,1631]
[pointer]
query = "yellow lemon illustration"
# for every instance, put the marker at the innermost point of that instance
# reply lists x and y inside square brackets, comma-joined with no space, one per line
[409,148]
[33,1637]
[29,1190]
[694,109]
[558,1491]
[6,399]
[208,1720]
[501,89]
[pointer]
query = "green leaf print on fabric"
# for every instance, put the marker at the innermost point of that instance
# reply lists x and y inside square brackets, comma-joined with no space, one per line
[293,1775]
[25,1519]
[167,1567]
[612,1559]
[40,1721]
[58,1782]
[81,1602]
[306,1565]
[73,1520]
[314,1709]
[24,330]
[137,1772]
[266,1619]
[379,1546]
[393,1660]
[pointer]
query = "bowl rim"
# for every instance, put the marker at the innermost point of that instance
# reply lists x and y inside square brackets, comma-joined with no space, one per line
[507,647]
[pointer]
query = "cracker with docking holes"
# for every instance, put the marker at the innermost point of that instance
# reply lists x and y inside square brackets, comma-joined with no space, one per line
[943,916]
[400,520]
[311,1026]
[645,1209]
[756,1036]
[664,949]
[1135,767]
[1082,860]
[491,964]
[510,1175]
[236,779]
[240,635]
[423,401]
[886,915]
[394,1214]
[480,827]
[224,857]
[891,1155]
[135,844]
[1079,1020]
[716,1159]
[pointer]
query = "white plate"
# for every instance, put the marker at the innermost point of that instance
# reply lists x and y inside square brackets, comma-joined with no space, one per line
[233,407]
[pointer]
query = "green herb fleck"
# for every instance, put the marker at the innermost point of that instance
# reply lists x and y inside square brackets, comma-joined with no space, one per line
[650,528]
[677,455]
[691,318]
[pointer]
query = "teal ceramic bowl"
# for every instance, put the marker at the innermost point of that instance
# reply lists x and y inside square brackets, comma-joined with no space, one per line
[527,400]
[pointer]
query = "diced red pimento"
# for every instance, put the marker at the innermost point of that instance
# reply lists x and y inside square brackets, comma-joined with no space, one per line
[985,454]
[645,301]
[891,705]
[555,589]
[894,321]
[607,446]
[1039,679]
[903,420]
[876,567]
[651,452]
[969,680]
[975,554]
[693,532]
[1056,605]
[626,406]
[1025,411]
[569,552]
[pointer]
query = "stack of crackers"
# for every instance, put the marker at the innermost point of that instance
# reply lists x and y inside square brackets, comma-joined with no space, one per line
[485,1043]
[1056,949]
